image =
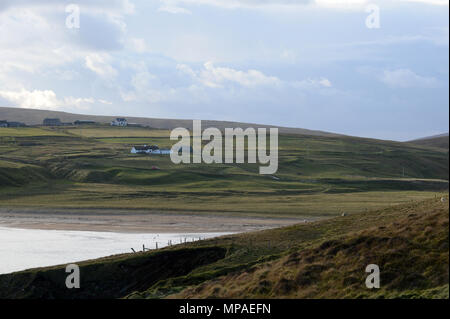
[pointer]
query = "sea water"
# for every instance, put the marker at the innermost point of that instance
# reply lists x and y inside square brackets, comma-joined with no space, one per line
[22,249]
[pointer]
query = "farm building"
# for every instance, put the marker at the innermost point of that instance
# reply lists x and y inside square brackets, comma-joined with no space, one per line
[152,149]
[119,122]
[11,124]
[144,149]
[16,124]
[51,122]
[82,122]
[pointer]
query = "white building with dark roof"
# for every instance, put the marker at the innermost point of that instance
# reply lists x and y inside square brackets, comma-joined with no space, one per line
[120,121]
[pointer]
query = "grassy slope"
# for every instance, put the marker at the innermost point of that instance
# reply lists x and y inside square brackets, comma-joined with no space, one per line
[323,259]
[35,117]
[410,244]
[437,142]
[92,167]
[108,277]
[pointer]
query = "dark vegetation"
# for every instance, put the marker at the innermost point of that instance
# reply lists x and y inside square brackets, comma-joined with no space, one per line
[108,277]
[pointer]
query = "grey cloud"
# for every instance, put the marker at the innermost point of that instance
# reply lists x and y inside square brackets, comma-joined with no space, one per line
[119,5]
[238,3]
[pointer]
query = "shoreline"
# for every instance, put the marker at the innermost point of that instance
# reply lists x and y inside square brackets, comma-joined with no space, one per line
[131,221]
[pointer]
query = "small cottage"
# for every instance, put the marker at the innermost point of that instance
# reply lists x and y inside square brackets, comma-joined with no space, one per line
[151,149]
[144,149]
[51,122]
[119,122]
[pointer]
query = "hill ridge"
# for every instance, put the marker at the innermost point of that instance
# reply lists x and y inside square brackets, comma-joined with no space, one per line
[36,117]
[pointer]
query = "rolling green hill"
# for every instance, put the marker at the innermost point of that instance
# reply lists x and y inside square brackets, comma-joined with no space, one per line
[320,177]
[91,166]
[36,117]
[439,141]
[326,259]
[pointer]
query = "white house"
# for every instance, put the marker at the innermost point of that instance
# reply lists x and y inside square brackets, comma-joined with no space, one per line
[119,122]
[152,149]
[144,149]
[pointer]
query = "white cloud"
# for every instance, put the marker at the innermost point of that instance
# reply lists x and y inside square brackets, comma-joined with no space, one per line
[44,99]
[175,6]
[99,63]
[219,77]
[214,77]
[432,2]
[405,78]
[105,102]
[342,4]
[313,83]
[78,103]
[116,6]
[137,45]
[32,99]
[170,6]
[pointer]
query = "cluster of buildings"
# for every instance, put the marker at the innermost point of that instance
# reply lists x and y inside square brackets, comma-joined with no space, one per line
[119,122]
[54,122]
[11,124]
[57,122]
[149,149]
[122,122]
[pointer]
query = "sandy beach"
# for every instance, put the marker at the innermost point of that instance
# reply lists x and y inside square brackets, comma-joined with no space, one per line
[111,220]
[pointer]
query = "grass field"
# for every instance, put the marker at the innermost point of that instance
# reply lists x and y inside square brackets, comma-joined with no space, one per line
[91,166]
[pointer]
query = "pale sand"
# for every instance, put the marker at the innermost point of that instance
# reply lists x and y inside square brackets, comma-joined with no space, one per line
[133,221]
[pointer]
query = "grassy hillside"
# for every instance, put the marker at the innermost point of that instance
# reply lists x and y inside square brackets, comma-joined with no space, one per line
[318,175]
[324,259]
[412,251]
[440,141]
[36,117]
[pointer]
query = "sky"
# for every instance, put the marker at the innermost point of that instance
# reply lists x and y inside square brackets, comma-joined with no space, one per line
[376,69]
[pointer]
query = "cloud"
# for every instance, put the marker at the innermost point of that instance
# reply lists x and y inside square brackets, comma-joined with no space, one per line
[432,2]
[405,78]
[137,45]
[105,102]
[219,77]
[341,4]
[48,100]
[175,6]
[312,83]
[170,6]
[99,31]
[43,99]
[214,77]
[117,6]
[33,35]
[32,99]
[99,63]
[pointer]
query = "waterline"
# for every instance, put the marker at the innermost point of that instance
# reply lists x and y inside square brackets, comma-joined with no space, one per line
[22,249]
